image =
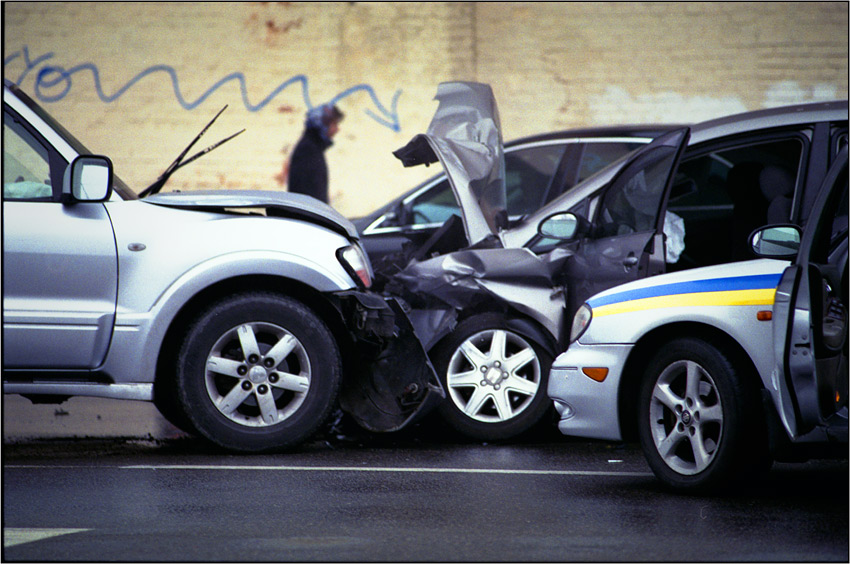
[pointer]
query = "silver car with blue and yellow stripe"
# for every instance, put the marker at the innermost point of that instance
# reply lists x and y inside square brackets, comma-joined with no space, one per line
[718,371]
[733,300]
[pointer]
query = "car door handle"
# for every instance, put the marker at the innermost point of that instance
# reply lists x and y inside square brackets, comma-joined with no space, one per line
[630,261]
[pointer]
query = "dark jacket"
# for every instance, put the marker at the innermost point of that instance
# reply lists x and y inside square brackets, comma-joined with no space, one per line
[308,171]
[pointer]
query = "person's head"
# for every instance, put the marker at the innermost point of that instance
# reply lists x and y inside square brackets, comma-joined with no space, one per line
[326,119]
[331,118]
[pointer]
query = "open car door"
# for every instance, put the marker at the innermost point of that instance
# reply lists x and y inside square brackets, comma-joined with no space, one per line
[627,239]
[810,319]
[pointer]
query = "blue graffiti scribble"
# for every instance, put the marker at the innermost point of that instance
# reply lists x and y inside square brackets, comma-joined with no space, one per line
[53,82]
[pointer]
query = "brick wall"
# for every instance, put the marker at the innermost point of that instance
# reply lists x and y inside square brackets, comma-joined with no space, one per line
[139,77]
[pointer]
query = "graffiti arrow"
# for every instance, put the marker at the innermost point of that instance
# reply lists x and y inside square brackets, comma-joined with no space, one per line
[53,83]
[388,118]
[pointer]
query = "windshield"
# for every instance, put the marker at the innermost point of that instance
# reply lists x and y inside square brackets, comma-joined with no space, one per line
[118,185]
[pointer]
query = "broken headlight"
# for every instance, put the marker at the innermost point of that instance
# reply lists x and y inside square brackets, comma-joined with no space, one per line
[355,262]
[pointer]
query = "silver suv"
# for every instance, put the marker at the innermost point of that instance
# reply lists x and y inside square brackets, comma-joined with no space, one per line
[244,316]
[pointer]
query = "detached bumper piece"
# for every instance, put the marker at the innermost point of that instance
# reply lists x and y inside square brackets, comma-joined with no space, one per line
[392,383]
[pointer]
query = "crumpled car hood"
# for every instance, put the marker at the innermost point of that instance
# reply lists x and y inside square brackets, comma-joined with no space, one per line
[464,279]
[465,136]
[276,204]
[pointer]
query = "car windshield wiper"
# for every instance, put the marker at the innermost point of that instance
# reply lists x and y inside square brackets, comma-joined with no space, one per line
[179,162]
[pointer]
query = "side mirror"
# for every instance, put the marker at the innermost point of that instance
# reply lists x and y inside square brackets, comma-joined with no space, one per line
[778,241]
[87,179]
[395,217]
[563,226]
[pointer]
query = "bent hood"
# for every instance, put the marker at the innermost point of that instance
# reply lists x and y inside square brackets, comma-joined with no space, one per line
[465,136]
[276,204]
[466,279]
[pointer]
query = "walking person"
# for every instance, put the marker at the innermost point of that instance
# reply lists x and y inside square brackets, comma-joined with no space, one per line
[308,170]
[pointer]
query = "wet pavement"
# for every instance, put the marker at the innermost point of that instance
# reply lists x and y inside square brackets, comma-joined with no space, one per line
[105,480]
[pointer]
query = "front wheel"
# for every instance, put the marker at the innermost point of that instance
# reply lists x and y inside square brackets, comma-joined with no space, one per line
[495,379]
[699,418]
[257,372]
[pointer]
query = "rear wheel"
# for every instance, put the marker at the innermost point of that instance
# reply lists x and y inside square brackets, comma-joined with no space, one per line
[257,372]
[700,421]
[495,379]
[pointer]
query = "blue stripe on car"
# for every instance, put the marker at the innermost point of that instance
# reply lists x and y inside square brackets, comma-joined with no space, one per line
[754,282]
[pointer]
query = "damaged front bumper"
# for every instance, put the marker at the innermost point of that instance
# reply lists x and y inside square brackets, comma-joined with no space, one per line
[482,280]
[389,381]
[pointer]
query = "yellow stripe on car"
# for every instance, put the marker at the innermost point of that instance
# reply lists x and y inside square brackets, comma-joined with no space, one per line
[756,297]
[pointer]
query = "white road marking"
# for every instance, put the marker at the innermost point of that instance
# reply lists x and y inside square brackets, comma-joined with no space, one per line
[13,536]
[349,469]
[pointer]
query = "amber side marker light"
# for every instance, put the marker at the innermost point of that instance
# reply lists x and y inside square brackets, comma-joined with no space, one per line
[598,374]
[764,315]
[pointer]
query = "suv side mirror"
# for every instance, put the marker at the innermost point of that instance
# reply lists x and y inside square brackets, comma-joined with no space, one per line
[87,179]
[563,226]
[776,241]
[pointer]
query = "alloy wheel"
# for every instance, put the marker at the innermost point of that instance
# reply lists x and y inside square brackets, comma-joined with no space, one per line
[686,417]
[493,376]
[257,374]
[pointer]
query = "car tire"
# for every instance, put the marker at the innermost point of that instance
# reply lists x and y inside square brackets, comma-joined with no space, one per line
[495,379]
[700,418]
[167,402]
[258,372]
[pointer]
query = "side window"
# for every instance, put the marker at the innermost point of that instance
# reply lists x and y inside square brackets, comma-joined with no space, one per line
[599,155]
[26,164]
[528,174]
[436,205]
[839,220]
[725,194]
[839,141]
[632,203]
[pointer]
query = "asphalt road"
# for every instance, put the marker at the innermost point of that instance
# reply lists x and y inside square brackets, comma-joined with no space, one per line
[100,480]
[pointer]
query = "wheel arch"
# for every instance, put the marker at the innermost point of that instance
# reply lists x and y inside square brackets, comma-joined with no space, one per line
[644,350]
[535,407]
[176,331]
[522,324]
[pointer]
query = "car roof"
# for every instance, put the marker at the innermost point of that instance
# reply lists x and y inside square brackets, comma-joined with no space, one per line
[717,127]
[710,129]
[768,118]
[724,127]
[626,130]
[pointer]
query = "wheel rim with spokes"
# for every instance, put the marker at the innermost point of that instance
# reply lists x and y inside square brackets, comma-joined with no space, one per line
[258,374]
[493,376]
[686,417]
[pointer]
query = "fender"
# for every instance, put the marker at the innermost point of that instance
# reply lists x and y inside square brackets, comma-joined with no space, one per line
[530,330]
[138,358]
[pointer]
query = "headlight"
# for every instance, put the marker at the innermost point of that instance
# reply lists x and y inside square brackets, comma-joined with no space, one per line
[357,264]
[580,322]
